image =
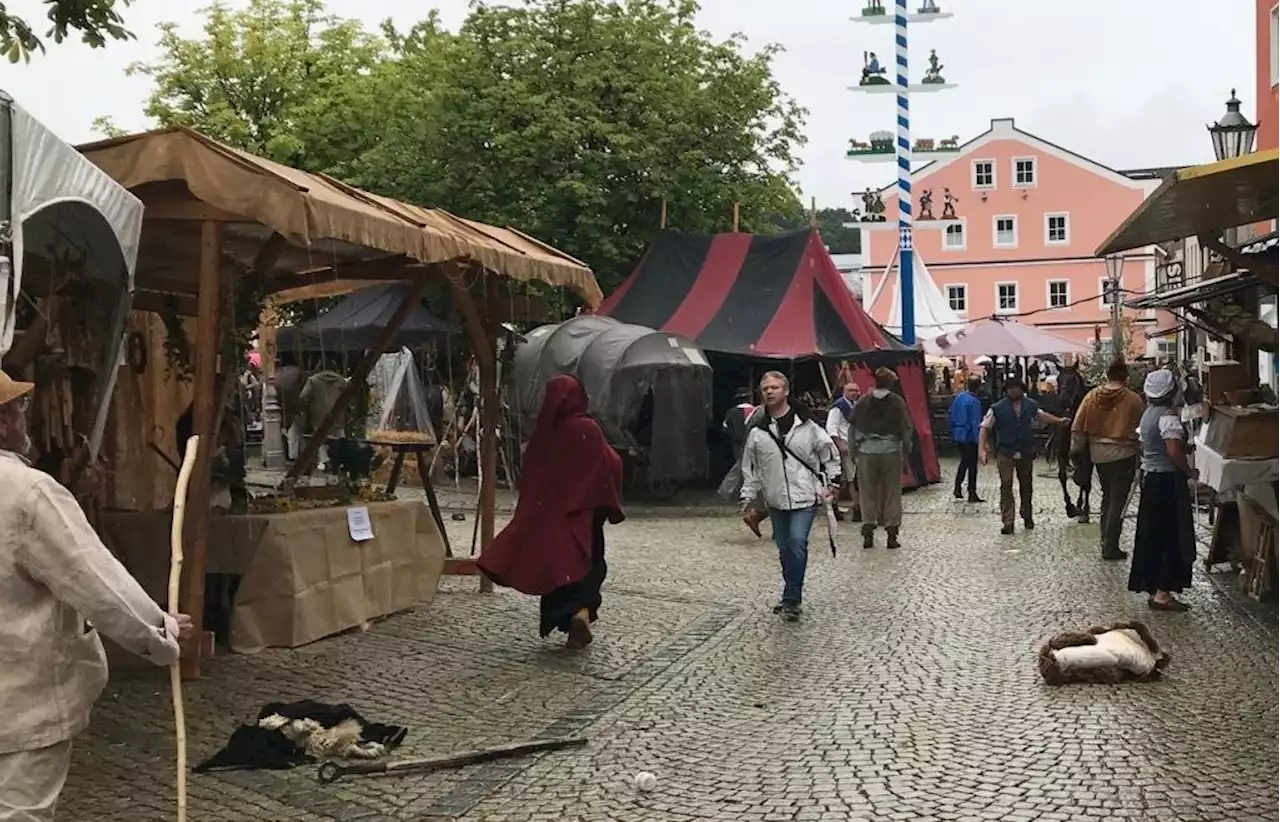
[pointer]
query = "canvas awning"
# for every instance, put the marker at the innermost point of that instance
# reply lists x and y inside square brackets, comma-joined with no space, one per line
[1202,199]
[185,177]
[1195,293]
[66,211]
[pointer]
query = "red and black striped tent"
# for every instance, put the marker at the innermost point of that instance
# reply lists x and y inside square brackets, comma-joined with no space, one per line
[776,297]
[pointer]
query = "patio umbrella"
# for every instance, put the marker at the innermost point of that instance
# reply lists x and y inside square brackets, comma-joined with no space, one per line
[1006,338]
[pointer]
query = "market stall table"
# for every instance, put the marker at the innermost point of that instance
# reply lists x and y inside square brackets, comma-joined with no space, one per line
[302,575]
[1245,491]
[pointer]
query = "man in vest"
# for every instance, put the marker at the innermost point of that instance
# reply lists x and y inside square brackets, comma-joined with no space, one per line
[1008,422]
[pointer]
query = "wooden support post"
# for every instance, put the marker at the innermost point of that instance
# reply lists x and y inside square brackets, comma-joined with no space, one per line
[488,428]
[813,213]
[358,379]
[209,304]
[486,359]
[735,218]
[662,219]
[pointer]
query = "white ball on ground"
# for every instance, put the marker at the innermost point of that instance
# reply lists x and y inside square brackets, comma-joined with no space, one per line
[646,781]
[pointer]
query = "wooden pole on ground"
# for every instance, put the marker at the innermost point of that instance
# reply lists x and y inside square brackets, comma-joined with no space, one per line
[358,380]
[196,525]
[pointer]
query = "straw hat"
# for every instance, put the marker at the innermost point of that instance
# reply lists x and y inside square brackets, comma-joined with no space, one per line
[11,389]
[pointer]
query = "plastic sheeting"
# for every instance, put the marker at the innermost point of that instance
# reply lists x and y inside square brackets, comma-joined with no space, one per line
[65,208]
[649,390]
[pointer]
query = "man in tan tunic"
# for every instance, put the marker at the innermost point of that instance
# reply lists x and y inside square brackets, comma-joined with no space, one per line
[59,587]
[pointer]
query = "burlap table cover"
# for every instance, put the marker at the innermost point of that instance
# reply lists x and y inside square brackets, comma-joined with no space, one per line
[303,577]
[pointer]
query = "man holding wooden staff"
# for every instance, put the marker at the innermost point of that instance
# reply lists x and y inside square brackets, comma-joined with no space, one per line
[55,574]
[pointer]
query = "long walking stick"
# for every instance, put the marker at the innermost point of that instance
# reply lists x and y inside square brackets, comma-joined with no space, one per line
[175,577]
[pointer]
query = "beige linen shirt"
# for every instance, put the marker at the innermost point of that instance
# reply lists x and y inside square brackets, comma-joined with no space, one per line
[54,575]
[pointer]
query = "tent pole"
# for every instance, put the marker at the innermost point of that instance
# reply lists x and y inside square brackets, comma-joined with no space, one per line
[488,424]
[826,381]
[662,219]
[813,213]
[735,218]
[196,523]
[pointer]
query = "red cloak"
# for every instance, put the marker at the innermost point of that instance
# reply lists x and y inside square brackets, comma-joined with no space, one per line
[569,470]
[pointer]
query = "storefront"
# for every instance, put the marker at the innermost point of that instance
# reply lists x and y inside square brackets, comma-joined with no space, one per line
[1236,449]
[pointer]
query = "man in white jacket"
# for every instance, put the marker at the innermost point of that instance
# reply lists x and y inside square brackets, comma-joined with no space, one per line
[54,575]
[791,460]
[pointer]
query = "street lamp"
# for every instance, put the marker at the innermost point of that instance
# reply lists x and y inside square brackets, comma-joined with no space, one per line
[1233,134]
[1115,265]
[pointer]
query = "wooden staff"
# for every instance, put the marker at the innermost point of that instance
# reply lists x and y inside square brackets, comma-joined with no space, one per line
[175,576]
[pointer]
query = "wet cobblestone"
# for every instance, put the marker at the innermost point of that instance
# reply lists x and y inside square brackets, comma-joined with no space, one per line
[908,691]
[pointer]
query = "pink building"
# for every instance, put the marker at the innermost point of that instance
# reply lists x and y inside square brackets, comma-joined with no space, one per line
[1029,215]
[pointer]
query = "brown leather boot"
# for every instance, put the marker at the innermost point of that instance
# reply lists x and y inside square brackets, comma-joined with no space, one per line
[892,531]
[868,535]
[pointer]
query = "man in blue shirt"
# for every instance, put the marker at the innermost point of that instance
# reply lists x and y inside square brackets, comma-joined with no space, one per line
[1008,423]
[965,418]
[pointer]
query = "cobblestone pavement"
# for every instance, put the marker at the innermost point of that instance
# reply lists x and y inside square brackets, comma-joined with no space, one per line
[908,691]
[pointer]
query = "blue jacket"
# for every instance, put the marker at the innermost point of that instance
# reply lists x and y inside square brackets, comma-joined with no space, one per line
[965,417]
[1013,431]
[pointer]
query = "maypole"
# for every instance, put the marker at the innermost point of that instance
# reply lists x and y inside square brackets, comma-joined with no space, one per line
[906,257]
[883,145]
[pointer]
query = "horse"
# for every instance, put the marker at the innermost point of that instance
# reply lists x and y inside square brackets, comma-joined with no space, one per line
[1071,391]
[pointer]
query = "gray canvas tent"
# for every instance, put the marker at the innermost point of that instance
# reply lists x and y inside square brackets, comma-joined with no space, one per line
[62,209]
[650,391]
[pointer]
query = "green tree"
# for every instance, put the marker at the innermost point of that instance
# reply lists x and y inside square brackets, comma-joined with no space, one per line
[573,119]
[831,225]
[96,20]
[279,78]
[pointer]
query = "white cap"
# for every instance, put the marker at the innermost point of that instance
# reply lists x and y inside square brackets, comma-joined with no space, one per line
[1158,384]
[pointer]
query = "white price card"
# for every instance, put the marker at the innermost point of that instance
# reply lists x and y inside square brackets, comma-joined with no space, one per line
[359,524]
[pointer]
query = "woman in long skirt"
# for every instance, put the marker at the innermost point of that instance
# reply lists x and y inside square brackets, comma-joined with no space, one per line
[1164,548]
[570,486]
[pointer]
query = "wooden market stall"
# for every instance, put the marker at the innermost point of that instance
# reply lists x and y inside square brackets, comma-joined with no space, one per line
[223,230]
[1235,452]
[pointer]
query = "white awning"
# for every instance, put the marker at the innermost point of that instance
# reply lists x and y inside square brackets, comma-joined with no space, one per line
[67,210]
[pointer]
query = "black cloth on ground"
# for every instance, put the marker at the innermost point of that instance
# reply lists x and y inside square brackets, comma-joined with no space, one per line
[252,747]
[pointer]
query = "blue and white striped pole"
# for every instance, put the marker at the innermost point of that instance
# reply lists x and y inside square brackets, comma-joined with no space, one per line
[906,255]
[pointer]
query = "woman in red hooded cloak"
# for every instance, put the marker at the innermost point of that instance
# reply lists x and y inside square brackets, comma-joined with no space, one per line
[570,485]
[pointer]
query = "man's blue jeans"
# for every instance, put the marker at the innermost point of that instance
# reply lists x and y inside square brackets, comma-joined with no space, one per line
[791,533]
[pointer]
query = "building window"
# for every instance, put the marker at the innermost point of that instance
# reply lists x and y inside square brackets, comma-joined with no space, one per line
[1006,297]
[1058,294]
[984,173]
[958,298]
[1055,229]
[1006,231]
[1275,45]
[1105,294]
[953,237]
[1024,172]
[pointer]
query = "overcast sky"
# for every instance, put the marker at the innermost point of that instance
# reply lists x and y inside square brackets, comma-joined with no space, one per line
[1129,83]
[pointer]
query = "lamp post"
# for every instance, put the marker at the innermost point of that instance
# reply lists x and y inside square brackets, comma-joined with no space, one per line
[1115,265]
[1232,137]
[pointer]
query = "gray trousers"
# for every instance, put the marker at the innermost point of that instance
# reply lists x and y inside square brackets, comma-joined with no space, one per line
[880,489]
[30,782]
[1116,478]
